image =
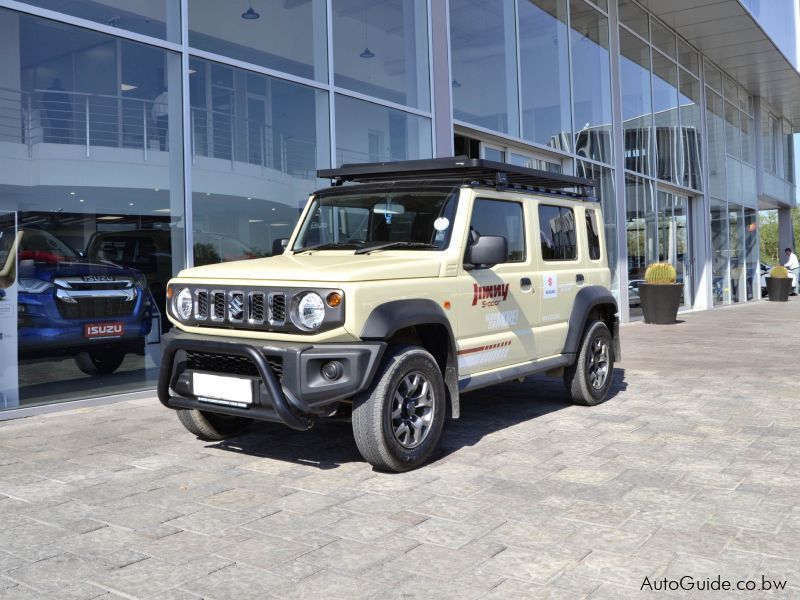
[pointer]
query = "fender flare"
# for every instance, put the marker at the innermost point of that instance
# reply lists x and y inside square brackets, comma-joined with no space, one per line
[588,298]
[387,319]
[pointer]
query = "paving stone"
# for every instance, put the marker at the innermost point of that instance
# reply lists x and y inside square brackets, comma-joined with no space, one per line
[691,467]
[185,547]
[537,565]
[238,582]
[56,573]
[264,551]
[210,520]
[153,576]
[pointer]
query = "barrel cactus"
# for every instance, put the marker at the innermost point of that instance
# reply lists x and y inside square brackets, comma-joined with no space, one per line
[660,274]
[779,272]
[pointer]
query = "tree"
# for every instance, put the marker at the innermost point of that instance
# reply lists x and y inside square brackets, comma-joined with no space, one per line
[768,229]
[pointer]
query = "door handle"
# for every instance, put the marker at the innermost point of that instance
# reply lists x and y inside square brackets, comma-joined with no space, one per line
[525,284]
[579,279]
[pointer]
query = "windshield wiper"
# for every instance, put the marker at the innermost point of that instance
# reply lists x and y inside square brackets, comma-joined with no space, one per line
[328,246]
[388,245]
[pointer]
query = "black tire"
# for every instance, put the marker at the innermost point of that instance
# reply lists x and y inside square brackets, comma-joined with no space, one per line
[377,424]
[99,362]
[212,427]
[582,378]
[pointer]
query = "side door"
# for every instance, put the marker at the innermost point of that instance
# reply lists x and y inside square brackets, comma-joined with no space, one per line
[559,275]
[493,302]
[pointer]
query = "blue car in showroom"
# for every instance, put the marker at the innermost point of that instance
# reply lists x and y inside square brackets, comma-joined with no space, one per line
[70,307]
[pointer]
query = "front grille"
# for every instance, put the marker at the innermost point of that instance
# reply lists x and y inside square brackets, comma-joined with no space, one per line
[96,308]
[230,364]
[277,308]
[257,308]
[218,299]
[201,311]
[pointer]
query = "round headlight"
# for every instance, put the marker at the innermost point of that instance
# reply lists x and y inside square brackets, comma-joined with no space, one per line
[183,304]
[310,311]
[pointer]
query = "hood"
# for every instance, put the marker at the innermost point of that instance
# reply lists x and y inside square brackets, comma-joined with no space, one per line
[73,267]
[326,266]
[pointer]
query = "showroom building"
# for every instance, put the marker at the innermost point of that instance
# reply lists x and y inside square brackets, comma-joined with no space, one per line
[161,134]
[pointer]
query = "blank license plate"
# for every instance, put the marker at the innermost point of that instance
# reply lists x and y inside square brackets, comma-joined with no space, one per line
[223,390]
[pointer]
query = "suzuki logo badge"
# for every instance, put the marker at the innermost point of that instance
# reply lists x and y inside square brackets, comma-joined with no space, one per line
[236,307]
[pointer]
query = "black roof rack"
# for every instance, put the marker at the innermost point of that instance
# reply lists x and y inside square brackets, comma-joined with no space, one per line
[457,169]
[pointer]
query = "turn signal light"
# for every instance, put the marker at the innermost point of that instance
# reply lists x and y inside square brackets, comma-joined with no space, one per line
[334,299]
[169,292]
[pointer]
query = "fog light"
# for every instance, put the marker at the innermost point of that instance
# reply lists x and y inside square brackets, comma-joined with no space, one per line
[332,370]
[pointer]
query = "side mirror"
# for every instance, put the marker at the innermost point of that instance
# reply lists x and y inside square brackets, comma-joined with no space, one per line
[279,246]
[487,251]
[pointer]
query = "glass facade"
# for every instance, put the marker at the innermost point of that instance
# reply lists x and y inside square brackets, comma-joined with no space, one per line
[137,140]
[96,246]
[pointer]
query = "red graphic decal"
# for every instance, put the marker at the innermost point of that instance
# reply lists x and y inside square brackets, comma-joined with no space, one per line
[483,348]
[483,292]
[549,281]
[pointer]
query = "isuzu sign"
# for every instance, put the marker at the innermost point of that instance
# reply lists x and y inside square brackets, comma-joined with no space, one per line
[103,330]
[98,278]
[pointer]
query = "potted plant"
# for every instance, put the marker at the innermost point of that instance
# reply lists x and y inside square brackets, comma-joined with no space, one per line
[660,296]
[779,284]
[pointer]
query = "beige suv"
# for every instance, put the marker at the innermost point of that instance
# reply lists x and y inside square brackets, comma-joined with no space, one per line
[415,282]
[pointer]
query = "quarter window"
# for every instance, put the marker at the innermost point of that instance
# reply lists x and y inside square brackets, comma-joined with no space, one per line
[593,234]
[498,217]
[557,232]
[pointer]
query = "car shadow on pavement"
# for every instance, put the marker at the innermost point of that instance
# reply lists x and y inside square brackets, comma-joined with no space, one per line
[329,444]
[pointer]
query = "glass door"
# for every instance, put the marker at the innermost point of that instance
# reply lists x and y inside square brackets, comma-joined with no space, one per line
[674,239]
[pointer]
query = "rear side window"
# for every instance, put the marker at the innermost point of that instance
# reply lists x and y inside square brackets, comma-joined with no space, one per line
[499,217]
[557,232]
[593,234]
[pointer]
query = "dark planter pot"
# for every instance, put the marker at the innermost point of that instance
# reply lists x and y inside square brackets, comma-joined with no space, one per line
[660,303]
[778,289]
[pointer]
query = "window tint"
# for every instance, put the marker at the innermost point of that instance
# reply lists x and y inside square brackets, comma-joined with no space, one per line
[593,234]
[497,217]
[557,231]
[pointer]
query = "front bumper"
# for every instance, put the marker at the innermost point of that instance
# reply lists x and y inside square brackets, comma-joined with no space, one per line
[286,378]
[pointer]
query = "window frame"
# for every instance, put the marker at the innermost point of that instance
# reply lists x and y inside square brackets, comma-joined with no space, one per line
[560,208]
[524,238]
[591,214]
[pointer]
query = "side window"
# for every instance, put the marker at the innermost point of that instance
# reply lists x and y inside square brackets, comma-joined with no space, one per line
[557,232]
[499,217]
[593,234]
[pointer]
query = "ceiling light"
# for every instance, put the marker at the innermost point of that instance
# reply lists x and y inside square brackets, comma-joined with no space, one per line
[126,87]
[250,14]
[81,200]
[162,210]
[367,53]
[72,193]
[456,83]
[130,203]
[255,220]
[108,218]
[155,189]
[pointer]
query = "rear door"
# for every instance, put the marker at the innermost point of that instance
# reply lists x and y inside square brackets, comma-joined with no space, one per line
[559,273]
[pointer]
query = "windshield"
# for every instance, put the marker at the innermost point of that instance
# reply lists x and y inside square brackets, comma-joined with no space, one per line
[391,218]
[41,246]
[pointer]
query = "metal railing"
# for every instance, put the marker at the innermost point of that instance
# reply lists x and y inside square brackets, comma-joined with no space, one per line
[97,120]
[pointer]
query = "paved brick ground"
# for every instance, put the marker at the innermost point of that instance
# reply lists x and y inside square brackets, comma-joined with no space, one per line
[691,468]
